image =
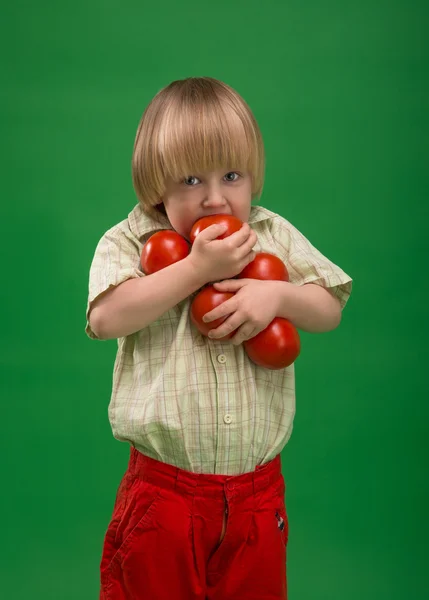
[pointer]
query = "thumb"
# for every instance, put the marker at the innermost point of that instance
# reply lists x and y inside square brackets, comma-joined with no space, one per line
[229,285]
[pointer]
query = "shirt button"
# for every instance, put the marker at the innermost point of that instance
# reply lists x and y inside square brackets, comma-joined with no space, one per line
[221,358]
[227,418]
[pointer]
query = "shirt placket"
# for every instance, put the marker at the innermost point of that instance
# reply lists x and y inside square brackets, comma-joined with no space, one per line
[222,355]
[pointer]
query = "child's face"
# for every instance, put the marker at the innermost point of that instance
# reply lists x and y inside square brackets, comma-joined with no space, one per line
[224,191]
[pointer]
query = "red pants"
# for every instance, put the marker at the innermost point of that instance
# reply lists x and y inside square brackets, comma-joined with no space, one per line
[177,535]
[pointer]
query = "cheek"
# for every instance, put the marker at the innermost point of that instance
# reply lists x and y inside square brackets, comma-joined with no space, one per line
[245,214]
[182,223]
[243,209]
[184,230]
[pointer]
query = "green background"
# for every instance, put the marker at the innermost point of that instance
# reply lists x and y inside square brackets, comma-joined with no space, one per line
[340,90]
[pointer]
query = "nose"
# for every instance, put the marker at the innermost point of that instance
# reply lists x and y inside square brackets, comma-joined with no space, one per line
[214,197]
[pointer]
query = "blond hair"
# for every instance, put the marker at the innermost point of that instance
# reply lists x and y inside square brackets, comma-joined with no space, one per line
[192,126]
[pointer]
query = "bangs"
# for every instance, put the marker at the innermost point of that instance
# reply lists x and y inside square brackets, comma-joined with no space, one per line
[191,127]
[195,139]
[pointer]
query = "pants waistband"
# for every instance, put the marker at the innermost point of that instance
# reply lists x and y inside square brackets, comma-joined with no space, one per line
[171,477]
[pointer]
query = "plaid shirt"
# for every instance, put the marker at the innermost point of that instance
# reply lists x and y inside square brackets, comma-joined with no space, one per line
[184,399]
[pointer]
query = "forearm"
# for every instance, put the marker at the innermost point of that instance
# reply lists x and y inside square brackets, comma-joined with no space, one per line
[309,307]
[136,303]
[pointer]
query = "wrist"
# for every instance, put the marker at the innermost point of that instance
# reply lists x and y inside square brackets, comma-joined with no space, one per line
[292,303]
[309,307]
[281,291]
[198,277]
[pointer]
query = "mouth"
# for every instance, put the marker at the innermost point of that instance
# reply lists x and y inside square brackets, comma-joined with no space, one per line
[214,214]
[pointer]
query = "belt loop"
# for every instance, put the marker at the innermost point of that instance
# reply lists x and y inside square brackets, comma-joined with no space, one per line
[256,482]
[133,461]
[261,481]
[185,483]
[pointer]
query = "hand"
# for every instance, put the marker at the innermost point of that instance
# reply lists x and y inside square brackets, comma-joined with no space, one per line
[254,306]
[215,259]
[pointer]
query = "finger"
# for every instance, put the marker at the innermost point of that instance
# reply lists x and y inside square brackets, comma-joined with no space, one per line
[223,310]
[238,238]
[252,241]
[245,332]
[249,258]
[212,232]
[225,328]
[230,285]
[246,249]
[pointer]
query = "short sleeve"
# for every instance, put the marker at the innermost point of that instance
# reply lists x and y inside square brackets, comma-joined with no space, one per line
[116,259]
[306,264]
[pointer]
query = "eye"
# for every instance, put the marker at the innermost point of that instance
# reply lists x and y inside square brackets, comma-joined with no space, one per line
[191,180]
[232,176]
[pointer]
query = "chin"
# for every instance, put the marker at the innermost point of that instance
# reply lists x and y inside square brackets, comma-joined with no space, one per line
[185,232]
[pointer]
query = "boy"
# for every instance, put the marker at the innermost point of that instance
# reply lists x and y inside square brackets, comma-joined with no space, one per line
[200,512]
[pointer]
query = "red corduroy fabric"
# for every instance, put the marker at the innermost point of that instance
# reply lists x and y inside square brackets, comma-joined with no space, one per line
[177,535]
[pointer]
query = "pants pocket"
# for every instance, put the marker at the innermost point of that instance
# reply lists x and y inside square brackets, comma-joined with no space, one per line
[280,512]
[133,515]
[282,524]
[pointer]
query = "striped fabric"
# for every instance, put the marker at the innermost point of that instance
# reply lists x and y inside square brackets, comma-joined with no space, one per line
[184,399]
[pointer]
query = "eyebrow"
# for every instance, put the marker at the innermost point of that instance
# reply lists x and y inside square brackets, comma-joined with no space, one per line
[204,174]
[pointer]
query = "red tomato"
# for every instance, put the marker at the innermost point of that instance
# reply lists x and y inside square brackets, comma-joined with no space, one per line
[276,347]
[265,266]
[205,301]
[233,223]
[162,249]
